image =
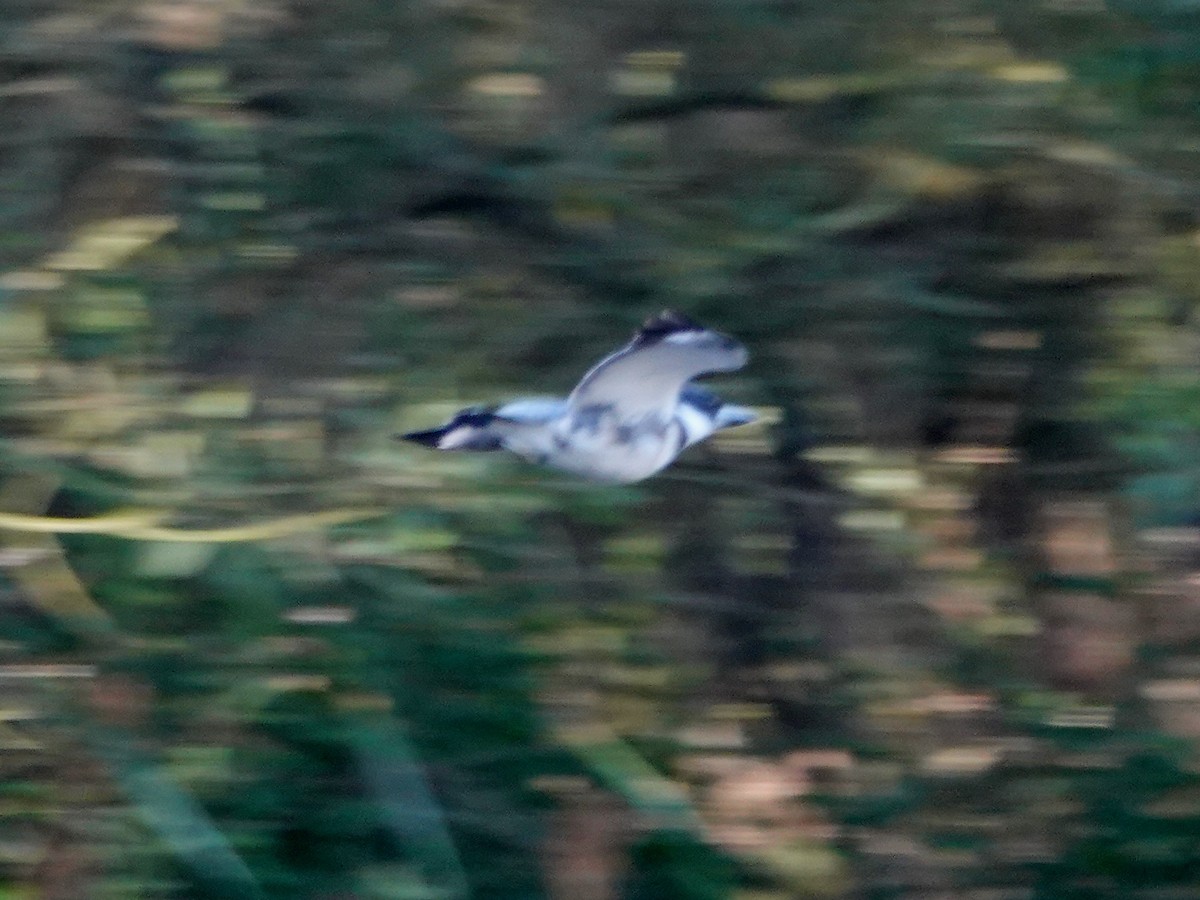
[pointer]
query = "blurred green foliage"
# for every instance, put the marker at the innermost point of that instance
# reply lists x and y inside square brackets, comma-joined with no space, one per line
[932,632]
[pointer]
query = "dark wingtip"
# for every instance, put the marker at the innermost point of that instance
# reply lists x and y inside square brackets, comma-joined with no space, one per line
[667,322]
[701,398]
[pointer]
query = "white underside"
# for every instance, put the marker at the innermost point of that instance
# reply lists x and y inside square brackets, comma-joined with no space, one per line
[600,453]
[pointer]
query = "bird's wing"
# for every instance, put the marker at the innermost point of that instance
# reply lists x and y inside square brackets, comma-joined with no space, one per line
[646,376]
[701,398]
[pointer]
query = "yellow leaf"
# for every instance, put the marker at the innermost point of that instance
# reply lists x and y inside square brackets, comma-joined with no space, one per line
[106,244]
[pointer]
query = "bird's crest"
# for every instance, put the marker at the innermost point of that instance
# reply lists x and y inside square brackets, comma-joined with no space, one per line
[666,323]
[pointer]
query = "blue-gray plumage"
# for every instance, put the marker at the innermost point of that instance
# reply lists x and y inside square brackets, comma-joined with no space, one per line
[629,416]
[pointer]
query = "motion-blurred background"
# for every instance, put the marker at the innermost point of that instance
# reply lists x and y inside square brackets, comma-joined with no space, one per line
[931,630]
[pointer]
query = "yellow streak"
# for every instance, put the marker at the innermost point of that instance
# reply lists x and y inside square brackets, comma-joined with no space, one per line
[142,526]
[257,531]
[49,580]
[111,523]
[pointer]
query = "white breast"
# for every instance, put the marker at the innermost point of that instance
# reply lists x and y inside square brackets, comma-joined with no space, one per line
[614,451]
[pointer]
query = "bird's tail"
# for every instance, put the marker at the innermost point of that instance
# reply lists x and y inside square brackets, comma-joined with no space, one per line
[730,415]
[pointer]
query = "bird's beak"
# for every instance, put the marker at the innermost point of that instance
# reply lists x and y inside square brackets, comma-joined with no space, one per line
[430,438]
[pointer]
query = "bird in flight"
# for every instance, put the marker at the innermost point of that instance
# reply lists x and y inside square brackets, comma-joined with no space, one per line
[629,417]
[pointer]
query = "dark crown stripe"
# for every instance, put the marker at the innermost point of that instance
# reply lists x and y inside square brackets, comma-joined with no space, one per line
[667,322]
[477,417]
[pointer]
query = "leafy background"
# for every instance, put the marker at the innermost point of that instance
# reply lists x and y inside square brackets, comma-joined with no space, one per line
[930,631]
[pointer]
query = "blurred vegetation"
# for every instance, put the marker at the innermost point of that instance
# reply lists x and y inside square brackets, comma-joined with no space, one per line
[932,631]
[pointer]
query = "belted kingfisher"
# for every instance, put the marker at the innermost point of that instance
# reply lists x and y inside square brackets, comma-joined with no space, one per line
[630,415]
